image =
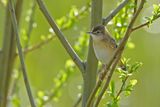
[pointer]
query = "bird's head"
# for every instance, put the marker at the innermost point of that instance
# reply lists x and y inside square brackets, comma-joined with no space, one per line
[97,32]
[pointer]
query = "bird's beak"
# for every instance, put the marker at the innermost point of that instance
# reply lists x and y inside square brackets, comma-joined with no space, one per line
[89,33]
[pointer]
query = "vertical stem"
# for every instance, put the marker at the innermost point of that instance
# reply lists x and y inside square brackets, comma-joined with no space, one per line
[7,37]
[8,54]
[92,63]
[18,10]
[21,56]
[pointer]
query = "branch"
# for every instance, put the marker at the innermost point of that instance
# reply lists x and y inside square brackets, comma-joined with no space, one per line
[78,101]
[36,46]
[108,79]
[31,21]
[119,52]
[47,40]
[61,37]
[135,6]
[24,71]
[114,12]
[122,86]
[30,28]
[144,24]
[9,50]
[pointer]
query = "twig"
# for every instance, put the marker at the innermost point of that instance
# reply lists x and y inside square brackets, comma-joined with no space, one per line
[37,46]
[78,101]
[24,71]
[140,26]
[31,21]
[30,28]
[114,12]
[119,50]
[144,24]
[51,96]
[54,93]
[61,37]
[135,4]
[108,79]
[47,40]
[98,84]
[122,86]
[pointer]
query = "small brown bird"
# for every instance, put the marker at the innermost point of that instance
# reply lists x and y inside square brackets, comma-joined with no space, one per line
[104,45]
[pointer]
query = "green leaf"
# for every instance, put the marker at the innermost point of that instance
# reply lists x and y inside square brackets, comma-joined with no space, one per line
[135,66]
[112,89]
[112,104]
[40,94]
[69,63]
[133,82]
[130,87]
[16,101]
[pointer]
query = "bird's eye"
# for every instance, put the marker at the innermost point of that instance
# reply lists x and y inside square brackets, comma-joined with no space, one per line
[98,31]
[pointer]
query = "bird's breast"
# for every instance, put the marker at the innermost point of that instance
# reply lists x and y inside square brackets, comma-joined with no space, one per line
[102,52]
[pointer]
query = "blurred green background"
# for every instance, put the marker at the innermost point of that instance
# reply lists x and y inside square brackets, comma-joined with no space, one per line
[45,63]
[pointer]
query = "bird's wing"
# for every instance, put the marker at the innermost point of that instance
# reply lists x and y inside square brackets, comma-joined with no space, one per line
[111,42]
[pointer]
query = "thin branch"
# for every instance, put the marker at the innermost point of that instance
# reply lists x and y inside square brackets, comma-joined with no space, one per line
[52,95]
[9,50]
[98,84]
[122,86]
[140,26]
[47,40]
[37,46]
[30,28]
[144,24]
[118,52]
[24,71]
[78,101]
[135,6]
[61,37]
[114,12]
[108,79]
[31,21]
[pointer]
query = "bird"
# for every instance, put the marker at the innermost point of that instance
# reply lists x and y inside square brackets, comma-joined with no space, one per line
[104,44]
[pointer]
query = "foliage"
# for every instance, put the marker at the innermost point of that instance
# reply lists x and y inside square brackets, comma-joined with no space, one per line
[120,22]
[63,75]
[126,87]
[155,14]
